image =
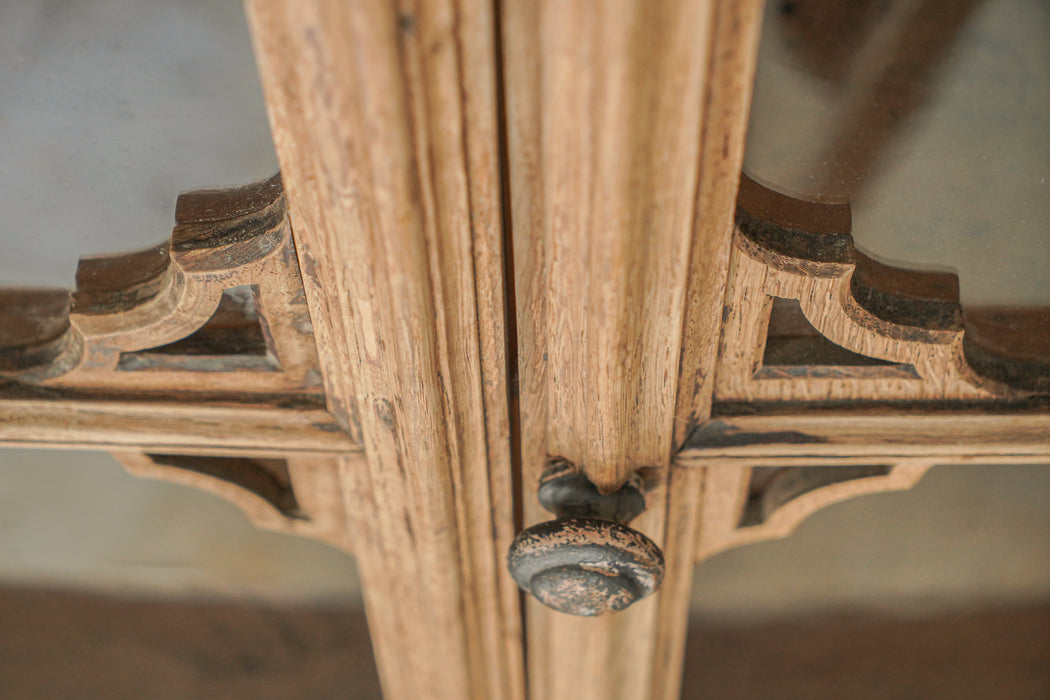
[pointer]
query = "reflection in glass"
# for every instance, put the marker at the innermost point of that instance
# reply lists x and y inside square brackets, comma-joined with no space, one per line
[932,117]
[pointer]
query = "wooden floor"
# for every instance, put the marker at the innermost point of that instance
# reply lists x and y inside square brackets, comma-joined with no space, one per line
[60,645]
[1002,655]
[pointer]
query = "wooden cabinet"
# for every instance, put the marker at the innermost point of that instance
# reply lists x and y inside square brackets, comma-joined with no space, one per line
[505,233]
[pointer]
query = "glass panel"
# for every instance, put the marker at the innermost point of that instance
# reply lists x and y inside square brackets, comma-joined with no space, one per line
[931,117]
[78,520]
[113,586]
[898,594]
[109,108]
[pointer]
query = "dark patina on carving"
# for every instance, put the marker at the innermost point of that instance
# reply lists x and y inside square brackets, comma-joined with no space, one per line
[772,487]
[587,562]
[568,493]
[585,566]
[817,231]
[268,479]
[1004,350]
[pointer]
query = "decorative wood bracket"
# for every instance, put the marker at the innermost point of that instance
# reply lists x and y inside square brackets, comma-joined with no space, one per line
[297,495]
[811,321]
[810,318]
[217,311]
[193,361]
[763,503]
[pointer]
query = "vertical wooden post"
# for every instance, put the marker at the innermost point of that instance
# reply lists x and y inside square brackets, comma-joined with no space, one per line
[625,124]
[385,120]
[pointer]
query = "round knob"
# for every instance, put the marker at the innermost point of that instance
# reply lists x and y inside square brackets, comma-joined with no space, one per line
[585,566]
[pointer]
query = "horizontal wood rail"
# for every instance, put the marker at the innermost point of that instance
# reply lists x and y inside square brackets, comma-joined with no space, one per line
[976,436]
[170,427]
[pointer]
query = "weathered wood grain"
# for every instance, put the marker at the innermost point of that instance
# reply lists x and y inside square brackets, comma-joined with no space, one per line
[220,308]
[624,126]
[169,427]
[604,114]
[385,122]
[874,432]
[762,497]
[908,322]
[624,139]
[200,349]
[730,75]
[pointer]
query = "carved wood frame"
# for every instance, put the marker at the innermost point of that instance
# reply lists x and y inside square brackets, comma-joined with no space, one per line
[388,129]
[910,320]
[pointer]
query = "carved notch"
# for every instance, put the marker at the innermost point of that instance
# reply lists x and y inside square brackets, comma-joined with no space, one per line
[896,334]
[218,309]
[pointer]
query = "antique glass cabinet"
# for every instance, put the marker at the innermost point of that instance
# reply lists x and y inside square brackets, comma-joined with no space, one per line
[514,237]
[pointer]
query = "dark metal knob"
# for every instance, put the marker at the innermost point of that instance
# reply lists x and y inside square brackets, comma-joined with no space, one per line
[587,562]
[584,566]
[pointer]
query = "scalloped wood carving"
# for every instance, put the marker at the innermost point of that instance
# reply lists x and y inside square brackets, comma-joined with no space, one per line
[219,309]
[790,249]
[297,495]
[745,505]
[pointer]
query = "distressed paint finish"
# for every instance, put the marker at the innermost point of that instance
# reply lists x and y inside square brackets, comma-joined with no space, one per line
[585,566]
[567,493]
[586,562]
